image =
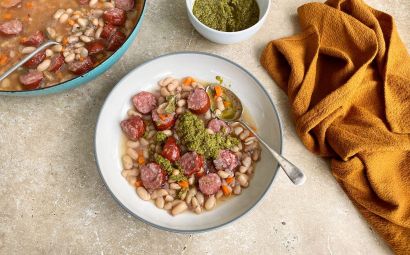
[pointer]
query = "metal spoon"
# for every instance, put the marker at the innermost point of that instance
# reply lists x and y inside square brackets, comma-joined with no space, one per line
[27,58]
[294,173]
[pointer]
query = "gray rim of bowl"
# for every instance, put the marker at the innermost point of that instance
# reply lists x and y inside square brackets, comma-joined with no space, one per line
[81,76]
[223,32]
[204,229]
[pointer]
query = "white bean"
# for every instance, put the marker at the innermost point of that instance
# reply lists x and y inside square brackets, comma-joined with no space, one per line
[208,115]
[220,106]
[57,48]
[169,198]
[59,38]
[194,202]
[143,194]
[168,206]
[5,83]
[250,170]
[173,85]
[69,11]
[133,144]
[186,88]
[127,162]
[164,82]
[27,50]
[198,210]
[98,32]
[219,194]
[238,130]
[247,161]
[243,169]
[175,186]
[210,131]
[181,207]
[210,203]
[130,172]
[70,58]
[244,135]
[132,153]
[164,92]
[237,190]
[49,53]
[167,132]
[143,141]
[131,179]
[242,180]
[93,3]
[235,149]
[223,174]
[73,39]
[58,13]
[181,102]
[200,198]
[63,18]
[51,32]
[256,155]
[191,179]
[44,65]
[159,202]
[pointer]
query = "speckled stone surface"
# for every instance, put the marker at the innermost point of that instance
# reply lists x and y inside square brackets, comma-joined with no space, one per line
[52,200]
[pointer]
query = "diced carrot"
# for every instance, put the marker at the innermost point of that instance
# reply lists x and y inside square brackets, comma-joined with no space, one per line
[3,59]
[163,116]
[218,91]
[229,180]
[71,22]
[227,103]
[226,190]
[183,184]
[81,58]
[65,41]
[188,81]
[7,16]
[29,5]
[141,160]
[138,183]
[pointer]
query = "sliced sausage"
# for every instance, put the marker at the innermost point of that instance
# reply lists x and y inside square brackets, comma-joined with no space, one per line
[198,101]
[115,16]
[218,125]
[83,2]
[191,162]
[209,184]
[9,3]
[126,5]
[226,160]
[116,41]
[12,27]
[144,102]
[171,150]
[31,80]
[163,121]
[81,67]
[33,40]
[57,62]
[133,127]
[35,60]
[209,167]
[95,47]
[108,31]
[152,176]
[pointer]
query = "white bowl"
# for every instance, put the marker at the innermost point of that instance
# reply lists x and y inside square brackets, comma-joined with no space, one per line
[204,66]
[228,37]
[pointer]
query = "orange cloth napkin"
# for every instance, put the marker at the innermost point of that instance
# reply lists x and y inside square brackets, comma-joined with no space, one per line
[347,76]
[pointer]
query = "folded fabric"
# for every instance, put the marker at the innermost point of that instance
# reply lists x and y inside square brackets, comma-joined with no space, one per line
[347,76]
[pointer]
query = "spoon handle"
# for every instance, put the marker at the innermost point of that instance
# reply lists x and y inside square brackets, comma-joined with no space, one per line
[294,173]
[26,58]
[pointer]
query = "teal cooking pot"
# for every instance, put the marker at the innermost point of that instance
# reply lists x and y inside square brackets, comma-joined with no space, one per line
[79,80]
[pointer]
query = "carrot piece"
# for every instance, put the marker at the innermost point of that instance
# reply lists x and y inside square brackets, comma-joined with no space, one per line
[3,59]
[226,190]
[7,16]
[65,41]
[229,180]
[227,103]
[183,184]
[188,81]
[29,5]
[71,22]
[138,183]
[163,116]
[141,159]
[218,91]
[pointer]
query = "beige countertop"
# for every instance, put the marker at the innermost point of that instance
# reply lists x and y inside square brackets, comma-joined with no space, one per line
[53,200]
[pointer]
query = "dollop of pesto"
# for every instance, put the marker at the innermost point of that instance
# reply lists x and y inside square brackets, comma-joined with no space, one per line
[169,168]
[192,133]
[160,137]
[227,15]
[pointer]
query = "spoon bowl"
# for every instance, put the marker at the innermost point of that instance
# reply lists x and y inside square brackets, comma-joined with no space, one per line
[235,116]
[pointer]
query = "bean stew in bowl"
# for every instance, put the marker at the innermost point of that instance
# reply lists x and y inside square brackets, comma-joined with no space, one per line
[88,33]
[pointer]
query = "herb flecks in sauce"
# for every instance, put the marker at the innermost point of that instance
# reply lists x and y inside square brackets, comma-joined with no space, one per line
[160,137]
[192,132]
[227,15]
[169,168]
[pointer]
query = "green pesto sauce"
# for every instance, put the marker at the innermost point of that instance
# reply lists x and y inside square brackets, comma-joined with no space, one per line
[227,15]
[191,130]
[169,168]
[160,137]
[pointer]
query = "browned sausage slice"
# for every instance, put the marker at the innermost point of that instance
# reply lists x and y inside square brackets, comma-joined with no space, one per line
[209,184]
[12,27]
[35,60]
[226,160]
[133,127]
[9,3]
[144,102]
[115,16]
[163,121]
[108,31]
[34,40]
[116,41]
[31,80]
[191,162]
[57,62]
[198,101]
[95,47]
[81,67]
[126,5]
[152,176]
